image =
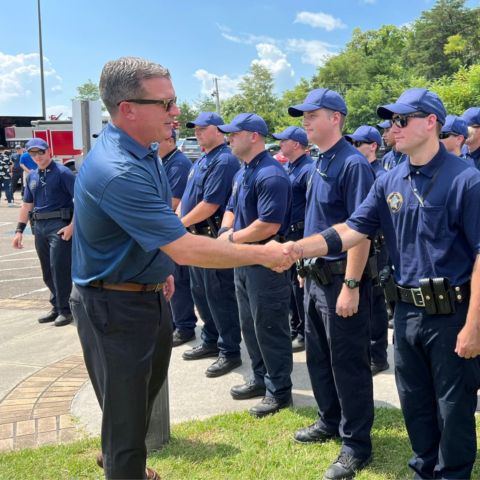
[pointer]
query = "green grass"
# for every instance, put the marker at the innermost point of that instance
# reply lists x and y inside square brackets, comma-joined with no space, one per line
[232,446]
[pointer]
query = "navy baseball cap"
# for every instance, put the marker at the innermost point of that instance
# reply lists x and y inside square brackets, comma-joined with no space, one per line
[366,133]
[454,124]
[415,100]
[205,119]
[319,98]
[249,122]
[296,134]
[385,124]
[36,143]
[472,116]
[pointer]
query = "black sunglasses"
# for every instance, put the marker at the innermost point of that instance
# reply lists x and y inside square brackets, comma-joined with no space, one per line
[401,121]
[359,143]
[34,153]
[443,136]
[167,103]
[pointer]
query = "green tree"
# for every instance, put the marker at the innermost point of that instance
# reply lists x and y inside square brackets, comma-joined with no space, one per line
[187,114]
[88,91]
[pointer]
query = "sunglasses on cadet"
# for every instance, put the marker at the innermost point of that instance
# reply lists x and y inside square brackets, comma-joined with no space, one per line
[34,153]
[359,143]
[167,103]
[443,136]
[401,121]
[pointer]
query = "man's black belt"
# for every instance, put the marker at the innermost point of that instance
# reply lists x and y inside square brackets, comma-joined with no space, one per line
[277,238]
[297,227]
[64,213]
[207,230]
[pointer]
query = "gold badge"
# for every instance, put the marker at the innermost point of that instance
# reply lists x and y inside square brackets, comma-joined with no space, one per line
[395,201]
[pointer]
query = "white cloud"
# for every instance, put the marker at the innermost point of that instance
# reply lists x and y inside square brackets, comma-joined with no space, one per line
[243,38]
[20,76]
[319,20]
[313,52]
[227,86]
[274,59]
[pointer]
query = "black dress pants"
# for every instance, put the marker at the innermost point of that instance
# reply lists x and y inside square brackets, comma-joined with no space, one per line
[126,339]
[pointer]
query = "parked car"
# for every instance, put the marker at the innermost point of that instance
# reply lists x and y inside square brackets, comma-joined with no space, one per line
[272,148]
[190,147]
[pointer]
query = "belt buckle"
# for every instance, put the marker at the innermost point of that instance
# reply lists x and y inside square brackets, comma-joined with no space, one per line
[418,299]
[158,288]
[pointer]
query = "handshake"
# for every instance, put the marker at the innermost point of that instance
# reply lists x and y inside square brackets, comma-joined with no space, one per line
[281,256]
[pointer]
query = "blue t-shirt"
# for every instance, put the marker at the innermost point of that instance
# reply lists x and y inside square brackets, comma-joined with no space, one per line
[338,183]
[177,166]
[50,189]
[122,213]
[439,239]
[261,190]
[377,168]
[210,180]
[393,158]
[27,160]
[298,172]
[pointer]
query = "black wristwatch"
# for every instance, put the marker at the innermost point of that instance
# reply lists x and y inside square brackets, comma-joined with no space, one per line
[351,283]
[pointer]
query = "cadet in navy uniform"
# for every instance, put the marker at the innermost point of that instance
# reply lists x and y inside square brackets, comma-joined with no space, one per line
[48,198]
[338,295]
[429,211]
[392,158]
[453,135]
[367,140]
[177,166]
[258,211]
[293,144]
[472,117]
[203,202]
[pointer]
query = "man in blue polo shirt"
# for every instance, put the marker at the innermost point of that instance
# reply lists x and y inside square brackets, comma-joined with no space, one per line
[293,144]
[338,294]
[208,189]
[48,198]
[127,238]
[177,166]
[472,117]
[392,158]
[434,242]
[258,211]
[453,135]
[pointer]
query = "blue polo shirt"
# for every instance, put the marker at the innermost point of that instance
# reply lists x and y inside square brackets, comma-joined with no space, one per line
[393,158]
[210,179]
[298,172]
[377,168]
[27,160]
[261,190]
[439,239]
[338,183]
[50,189]
[122,213]
[177,166]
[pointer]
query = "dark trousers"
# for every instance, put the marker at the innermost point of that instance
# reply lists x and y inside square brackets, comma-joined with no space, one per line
[5,187]
[437,390]
[263,300]
[16,175]
[126,339]
[55,256]
[338,362]
[297,302]
[183,309]
[213,292]
[379,317]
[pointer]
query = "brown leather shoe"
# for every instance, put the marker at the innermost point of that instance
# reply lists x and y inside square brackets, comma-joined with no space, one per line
[150,474]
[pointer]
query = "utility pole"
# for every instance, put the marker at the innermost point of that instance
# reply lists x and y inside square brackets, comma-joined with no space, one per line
[42,76]
[216,94]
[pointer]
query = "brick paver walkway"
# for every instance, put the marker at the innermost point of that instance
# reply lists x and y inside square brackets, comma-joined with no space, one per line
[37,410]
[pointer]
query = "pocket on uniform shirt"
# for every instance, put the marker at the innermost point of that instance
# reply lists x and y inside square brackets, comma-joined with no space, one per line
[432,223]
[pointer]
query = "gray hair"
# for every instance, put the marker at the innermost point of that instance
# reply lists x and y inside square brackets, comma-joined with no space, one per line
[123,79]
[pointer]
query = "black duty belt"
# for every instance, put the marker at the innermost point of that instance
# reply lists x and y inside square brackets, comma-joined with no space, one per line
[207,230]
[277,238]
[416,297]
[64,214]
[297,227]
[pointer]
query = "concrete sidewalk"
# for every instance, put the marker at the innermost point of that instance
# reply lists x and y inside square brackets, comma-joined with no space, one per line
[45,395]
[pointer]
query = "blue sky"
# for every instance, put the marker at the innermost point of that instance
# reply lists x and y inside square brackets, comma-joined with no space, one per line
[196,40]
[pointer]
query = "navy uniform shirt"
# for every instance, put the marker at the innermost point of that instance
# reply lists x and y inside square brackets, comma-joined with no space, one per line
[393,158]
[51,189]
[177,166]
[377,168]
[439,239]
[474,157]
[261,190]
[338,183]
[210,179]
[123,213]
[298,173]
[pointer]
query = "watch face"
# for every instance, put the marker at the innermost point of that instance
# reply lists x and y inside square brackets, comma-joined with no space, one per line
[351,283]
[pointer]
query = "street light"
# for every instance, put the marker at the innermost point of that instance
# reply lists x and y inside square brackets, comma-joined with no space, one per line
[42,79]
